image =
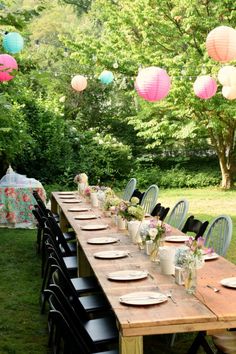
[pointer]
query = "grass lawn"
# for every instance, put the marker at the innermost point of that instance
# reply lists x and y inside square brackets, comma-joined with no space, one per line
[24,331]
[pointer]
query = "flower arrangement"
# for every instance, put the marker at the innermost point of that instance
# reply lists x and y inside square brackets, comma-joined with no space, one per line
[87,191]
[131,210]
[191,254]
[153,230]
[111,201]
[81,178]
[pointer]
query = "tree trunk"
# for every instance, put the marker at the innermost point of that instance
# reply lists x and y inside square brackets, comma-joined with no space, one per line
[226,176]
[224,144]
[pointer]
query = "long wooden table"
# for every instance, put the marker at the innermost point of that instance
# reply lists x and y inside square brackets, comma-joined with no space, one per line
[204,311]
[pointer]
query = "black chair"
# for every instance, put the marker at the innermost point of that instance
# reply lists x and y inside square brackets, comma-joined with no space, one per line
[65,337]
[42,206]
[70,235]
[97,334]
[94,303]
[195,226]
[138,194]
[82,285]
[160,211]
[68,248]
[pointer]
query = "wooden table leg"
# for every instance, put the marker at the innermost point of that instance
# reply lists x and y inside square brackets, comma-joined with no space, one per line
[131,345]
[54,206]
[84,268]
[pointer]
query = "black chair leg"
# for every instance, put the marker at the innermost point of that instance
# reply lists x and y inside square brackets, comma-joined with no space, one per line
[200,341]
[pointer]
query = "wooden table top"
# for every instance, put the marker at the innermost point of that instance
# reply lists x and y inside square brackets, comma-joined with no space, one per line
[205,310]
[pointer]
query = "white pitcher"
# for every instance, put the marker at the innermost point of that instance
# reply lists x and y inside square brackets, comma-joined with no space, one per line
[133,229]
[167,259]
[94,200]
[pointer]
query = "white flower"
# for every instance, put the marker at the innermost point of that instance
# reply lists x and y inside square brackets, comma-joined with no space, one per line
[152,233]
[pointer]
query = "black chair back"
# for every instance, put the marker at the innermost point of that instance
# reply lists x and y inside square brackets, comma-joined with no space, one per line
[195,226]
[160,211]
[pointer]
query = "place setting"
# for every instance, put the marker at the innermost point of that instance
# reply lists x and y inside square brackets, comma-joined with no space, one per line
[229,282]
[94,227]
[143,298]
[72,200]
[176,238]
[65,193]
[209,254]
[111,254]
[103,240]
[128,275]
[79,209]
[85,216]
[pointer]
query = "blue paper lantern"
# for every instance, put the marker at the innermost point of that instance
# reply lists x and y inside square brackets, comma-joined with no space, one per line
[106,77]
[13,42]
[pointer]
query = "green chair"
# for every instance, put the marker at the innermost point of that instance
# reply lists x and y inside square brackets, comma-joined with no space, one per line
[219,234]
[150,198]
[178,214]
[129,189]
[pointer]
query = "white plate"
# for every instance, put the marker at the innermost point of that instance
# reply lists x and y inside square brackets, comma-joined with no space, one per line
[72,201]
[85,217]
[143,298]
[65,193]
[177,238]
[229,282]
[210,256]
[93,227]
[111,254]
[130,274]
[102,240]
[78,209]
[67,197]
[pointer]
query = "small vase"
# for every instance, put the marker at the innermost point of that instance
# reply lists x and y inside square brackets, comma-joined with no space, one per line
[121,223]
[154,254]
[190,278]
[81,188]
[148,247]
[94,200]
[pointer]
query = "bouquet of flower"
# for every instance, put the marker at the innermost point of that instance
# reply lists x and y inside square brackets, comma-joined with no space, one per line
[81,178]
[87,191]
[192,254]
[153,230]
[131,210]
[111,201]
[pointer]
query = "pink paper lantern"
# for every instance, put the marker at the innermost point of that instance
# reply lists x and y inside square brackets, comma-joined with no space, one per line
[7,64]
[205,87]
[229,92]
[227,75]
[152,83]
[221,44]
[79,83]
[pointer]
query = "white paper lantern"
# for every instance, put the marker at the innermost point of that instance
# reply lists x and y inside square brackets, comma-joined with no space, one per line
[229,92]
[227,75]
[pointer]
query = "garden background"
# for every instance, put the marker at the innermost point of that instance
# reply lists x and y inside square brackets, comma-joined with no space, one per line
[50,132]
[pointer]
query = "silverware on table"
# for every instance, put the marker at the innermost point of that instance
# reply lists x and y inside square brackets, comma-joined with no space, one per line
[213,288]
[169,294]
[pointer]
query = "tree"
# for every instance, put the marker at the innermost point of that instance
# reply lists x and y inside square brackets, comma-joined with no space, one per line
[169,34]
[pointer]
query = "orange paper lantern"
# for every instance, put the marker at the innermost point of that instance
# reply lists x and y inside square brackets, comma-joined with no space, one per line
[227,75]
[229,92]
[221,44]
[79,83]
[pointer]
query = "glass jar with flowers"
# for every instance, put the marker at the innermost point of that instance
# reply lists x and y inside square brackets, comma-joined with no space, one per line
[152,232]
[133,213]
[82,182]
[191,259]
[111,201]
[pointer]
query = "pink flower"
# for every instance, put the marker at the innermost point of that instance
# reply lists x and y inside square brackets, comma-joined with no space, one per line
[25,198]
